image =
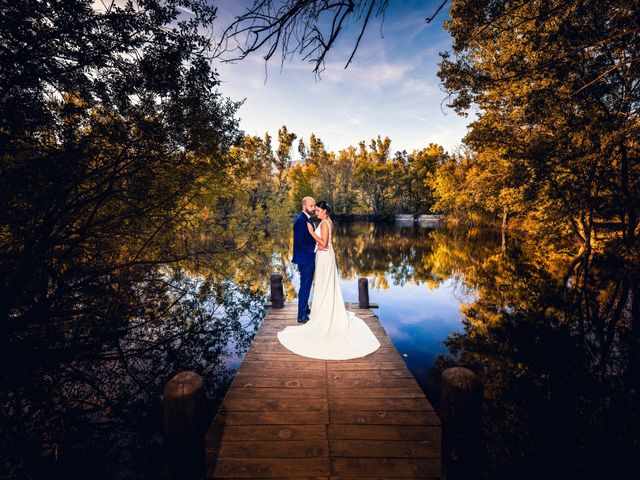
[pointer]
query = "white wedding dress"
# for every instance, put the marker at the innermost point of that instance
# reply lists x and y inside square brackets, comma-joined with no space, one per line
[332,332]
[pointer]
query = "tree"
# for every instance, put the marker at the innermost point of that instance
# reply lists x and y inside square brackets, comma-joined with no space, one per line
[308,28]
[301,178]
[257,160]
[556,87]
[297,27]
[451,192]
[111,128]
[326,178]
[283,154]
[415,170]
[345,196]
[374,175]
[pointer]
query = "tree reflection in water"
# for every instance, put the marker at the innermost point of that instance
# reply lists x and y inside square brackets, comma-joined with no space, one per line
[557,346]
[555,340]
[83,401]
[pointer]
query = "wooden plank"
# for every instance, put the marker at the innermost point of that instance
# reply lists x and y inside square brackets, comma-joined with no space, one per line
[267,467]
[370,392]
[236,404]
[247,392]
[385,467]
[386,448]
[384,417]
[238,433]
[401,404]
[268,348]
[252,356]
[248,381]
[284,365]
[383,432]
[369,374]
[374,382]
[272,449]
[272,418]
[274,433]
[249,371]
[366,365]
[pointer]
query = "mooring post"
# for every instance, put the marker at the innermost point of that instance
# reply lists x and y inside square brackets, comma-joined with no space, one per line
[277,292]
[363,292]
[183,405]
[460,412]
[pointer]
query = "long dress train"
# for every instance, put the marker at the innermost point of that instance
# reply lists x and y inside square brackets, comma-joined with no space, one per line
[332,332]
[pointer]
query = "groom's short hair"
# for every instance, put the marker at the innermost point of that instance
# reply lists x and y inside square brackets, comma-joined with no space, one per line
[305,200]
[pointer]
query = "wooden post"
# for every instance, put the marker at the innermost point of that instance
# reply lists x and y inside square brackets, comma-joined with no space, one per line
[183,404]
[363,292]
[460,412]
[277,292]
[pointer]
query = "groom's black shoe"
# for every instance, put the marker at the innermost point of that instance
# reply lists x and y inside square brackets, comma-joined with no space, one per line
[304,320]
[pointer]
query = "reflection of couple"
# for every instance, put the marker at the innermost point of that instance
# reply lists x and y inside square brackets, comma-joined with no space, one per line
[328,330]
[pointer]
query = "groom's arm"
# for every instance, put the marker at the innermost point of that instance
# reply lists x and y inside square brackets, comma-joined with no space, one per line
[301,235]
[309,243]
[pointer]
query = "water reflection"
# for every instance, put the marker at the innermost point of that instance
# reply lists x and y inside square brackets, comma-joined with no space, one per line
[556,343]
[554,337]
[83,401]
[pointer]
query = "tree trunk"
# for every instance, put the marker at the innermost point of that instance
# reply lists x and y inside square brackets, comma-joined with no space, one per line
[505,228]
[629,217]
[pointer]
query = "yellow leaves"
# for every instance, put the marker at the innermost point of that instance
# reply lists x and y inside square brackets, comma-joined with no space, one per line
[432,284]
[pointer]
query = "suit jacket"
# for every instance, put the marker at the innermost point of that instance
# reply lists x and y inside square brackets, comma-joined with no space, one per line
[303,243]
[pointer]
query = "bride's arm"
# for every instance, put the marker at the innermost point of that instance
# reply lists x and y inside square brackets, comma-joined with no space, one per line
[323,239]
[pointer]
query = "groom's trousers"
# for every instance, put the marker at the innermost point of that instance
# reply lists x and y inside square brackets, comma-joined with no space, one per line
[306,279]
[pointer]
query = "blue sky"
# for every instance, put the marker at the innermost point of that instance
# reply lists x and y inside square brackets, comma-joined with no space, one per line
[390,88]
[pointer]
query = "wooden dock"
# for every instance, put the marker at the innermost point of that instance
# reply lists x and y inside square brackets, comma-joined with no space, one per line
[291,417]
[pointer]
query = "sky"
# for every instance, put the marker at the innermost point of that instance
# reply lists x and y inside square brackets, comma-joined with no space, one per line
[390,89]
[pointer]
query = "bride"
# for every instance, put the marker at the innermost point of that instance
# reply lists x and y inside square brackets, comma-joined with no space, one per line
[332,332]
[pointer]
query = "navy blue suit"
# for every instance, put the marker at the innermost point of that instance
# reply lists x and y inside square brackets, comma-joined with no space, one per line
[304,255]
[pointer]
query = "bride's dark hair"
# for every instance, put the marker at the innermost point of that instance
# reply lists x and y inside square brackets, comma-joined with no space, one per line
[324,205]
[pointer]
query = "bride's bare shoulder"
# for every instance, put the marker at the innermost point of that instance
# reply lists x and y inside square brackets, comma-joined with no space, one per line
[331,225]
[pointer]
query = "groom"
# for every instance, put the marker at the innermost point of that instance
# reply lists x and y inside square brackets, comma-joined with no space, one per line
[304,255]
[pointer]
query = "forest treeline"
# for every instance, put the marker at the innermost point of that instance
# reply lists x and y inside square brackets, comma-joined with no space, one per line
[367,179]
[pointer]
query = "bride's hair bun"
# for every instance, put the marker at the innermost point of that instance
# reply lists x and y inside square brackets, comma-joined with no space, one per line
[324,205]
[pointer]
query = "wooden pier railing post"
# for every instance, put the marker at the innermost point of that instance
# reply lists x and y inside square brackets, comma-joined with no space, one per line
[363,292]
[277,292]
[460,412]
[183,405]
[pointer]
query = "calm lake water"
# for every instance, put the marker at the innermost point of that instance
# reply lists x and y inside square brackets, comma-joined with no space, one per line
[555,341]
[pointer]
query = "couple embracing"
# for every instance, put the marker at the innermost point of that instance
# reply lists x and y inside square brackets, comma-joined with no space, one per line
[326,331]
